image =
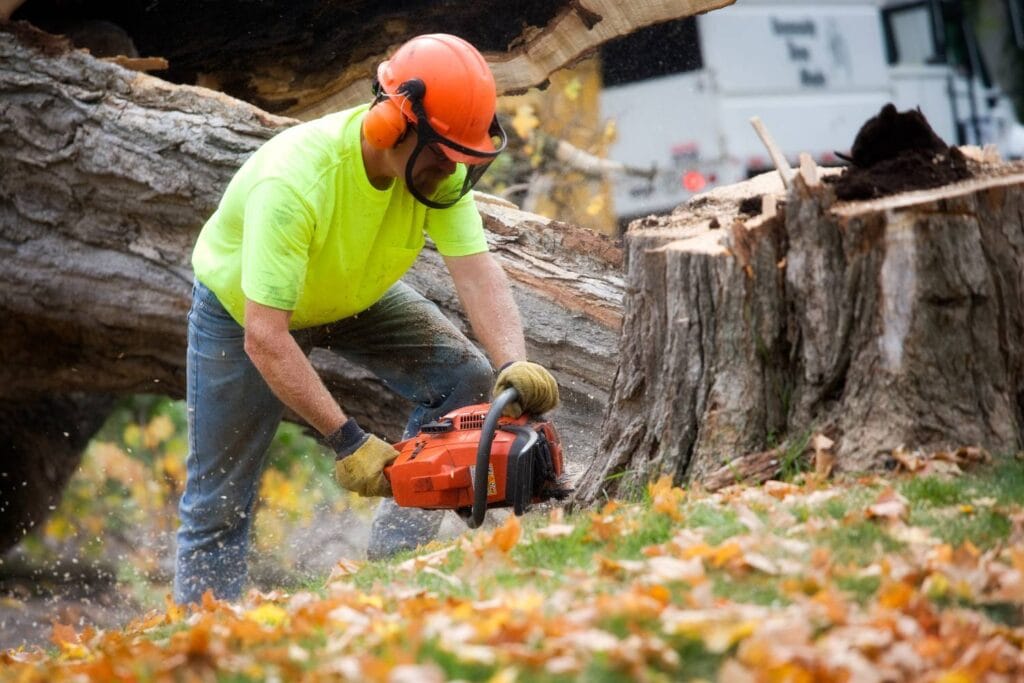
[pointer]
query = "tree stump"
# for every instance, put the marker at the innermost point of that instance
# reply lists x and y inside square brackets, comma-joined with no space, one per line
[883,323]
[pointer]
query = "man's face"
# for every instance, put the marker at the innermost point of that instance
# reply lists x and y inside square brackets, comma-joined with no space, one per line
[431,166]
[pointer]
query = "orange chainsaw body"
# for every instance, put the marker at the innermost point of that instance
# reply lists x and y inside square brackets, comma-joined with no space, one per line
[435,468]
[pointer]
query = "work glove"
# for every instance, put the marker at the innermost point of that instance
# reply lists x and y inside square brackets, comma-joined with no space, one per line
[361,460]
[538,390]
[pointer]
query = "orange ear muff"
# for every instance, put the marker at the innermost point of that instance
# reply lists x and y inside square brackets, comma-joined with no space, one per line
[384,124]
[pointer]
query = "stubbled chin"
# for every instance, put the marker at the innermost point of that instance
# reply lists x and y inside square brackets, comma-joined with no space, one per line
[428,184]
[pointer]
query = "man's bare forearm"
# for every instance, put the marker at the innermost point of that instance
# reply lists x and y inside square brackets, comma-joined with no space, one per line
[492,311]
[287,370]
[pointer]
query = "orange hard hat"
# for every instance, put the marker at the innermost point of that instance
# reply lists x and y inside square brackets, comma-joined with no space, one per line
[458,93]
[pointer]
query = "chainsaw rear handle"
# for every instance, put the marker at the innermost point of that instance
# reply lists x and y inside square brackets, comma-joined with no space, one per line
[483,456]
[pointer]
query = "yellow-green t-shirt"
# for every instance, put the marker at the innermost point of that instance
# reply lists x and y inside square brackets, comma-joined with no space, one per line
[301,228]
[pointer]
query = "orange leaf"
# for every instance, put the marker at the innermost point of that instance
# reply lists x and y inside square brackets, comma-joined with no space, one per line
[780,489]
[725,552]
[896,595]
[63,635]
[507,535]
[666,499]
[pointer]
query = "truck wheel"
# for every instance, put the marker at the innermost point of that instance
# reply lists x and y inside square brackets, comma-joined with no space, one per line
[41,444]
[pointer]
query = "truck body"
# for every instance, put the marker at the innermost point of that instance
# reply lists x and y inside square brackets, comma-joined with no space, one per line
[814,72]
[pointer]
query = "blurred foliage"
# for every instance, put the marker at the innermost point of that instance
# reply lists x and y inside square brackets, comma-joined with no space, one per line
[531,175]
[122,501]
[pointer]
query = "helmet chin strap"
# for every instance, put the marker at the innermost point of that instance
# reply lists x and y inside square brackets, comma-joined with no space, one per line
[425,135]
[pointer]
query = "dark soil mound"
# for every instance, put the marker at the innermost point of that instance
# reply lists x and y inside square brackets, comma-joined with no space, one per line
[896,152]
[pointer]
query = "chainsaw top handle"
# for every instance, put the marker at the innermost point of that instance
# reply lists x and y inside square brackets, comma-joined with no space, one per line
[483,456]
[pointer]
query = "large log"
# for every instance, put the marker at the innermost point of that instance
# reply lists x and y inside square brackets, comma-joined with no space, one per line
[884,323]
[306,57]
[107,175]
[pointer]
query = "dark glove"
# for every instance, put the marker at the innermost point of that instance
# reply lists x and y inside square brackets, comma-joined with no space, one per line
[538,390]
[361,460]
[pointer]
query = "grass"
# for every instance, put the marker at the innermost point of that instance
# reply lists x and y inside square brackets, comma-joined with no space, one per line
[860,543]
[491,611]
[719,524]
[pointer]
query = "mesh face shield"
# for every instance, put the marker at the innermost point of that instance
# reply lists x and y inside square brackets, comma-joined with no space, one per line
[451,189]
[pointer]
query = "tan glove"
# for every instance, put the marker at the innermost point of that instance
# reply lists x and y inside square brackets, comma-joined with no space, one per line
[538,390]
[363,471]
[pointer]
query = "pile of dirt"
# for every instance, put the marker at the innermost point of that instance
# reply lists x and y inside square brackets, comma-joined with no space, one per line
[896,152]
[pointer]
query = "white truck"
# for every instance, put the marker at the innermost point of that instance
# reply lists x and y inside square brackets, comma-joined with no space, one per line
[814,71]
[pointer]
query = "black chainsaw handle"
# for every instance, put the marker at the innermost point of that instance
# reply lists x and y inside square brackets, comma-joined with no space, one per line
[483,456]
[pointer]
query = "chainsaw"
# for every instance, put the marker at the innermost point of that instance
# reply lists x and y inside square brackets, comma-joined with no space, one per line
[473,459]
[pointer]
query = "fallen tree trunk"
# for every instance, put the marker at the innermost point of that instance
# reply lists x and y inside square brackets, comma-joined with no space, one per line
[106,177]
[304,58]
[880,324]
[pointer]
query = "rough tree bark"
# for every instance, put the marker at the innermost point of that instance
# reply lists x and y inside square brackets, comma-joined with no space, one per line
[306,57]
[107,175]
[897,321]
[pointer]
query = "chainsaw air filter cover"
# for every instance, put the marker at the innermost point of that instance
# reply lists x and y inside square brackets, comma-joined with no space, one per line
[436,468]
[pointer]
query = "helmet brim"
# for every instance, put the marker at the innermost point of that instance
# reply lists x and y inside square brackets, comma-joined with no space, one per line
[485,146]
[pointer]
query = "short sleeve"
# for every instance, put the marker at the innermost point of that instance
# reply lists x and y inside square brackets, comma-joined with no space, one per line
[277,234]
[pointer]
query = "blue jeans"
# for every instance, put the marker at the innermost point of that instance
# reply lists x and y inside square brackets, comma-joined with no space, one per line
[233,415]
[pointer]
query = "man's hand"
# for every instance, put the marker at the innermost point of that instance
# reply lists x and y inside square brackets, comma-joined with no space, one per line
[538,390]
[361,460]
[363,471]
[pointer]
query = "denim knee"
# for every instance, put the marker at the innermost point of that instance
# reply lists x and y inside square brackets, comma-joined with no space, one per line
[474,380]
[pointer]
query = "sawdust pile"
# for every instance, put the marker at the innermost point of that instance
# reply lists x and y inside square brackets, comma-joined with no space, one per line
[896,152]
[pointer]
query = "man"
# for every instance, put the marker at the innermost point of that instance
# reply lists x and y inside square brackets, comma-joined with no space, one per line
[306,250]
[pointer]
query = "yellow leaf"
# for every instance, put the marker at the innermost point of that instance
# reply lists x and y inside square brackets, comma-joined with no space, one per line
[935,586]
[955,676]
[374,601]
[524,122]
[268,614]
[132,435]
[159,429]
[572,89]
[596,205]
[507,675]
[175,612]
[173,467]
[59,528]
[720,637]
